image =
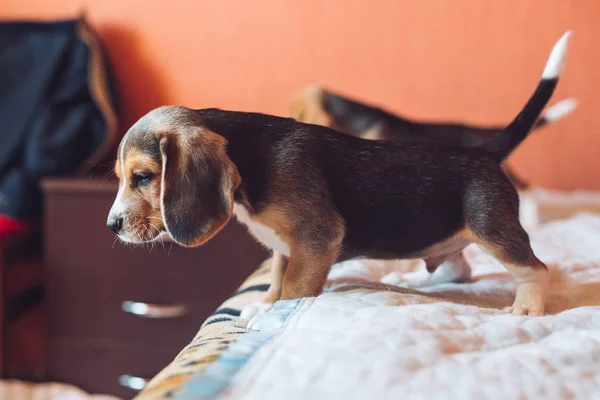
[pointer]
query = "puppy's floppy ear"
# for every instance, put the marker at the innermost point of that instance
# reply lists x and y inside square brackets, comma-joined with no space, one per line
[198,182]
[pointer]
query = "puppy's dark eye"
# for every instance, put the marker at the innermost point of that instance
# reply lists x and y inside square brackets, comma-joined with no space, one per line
[142,179]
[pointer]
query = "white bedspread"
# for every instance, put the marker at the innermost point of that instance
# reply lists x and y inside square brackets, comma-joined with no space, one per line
[369,341]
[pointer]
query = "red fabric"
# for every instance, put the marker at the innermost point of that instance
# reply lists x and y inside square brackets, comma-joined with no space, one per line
[10,226]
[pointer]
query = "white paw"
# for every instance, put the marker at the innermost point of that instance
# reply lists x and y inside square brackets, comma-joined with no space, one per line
[254,312]
[529,300]
[417,279]
[536,310]
[532,286]
[412,280]
[530,303]
[455,269]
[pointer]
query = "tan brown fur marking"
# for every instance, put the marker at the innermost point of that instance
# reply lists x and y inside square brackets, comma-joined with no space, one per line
[307,271]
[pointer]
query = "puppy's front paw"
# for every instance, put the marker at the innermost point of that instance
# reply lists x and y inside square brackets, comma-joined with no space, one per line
[254,312]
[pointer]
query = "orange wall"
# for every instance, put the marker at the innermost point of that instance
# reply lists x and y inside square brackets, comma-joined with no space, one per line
[466,60]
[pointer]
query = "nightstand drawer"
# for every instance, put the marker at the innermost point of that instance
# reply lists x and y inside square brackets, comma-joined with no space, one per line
[94,303]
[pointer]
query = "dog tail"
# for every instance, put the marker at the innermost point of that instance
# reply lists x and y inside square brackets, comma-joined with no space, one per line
[503,143]
[557,112]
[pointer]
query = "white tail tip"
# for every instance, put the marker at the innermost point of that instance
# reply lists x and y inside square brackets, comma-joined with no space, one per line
[556,61]
[560,110]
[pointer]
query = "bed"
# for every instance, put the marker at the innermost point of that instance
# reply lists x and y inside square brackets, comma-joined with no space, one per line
[364,338]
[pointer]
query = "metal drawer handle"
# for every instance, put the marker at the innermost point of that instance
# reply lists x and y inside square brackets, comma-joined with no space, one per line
[133,382]
[154,310]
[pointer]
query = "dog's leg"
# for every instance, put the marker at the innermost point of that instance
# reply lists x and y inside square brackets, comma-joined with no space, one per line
[306,272]
[437,270]
[530,274]
[304,276]
[532,288]
[501,234]
[313,250]
[253,311]
[312,254]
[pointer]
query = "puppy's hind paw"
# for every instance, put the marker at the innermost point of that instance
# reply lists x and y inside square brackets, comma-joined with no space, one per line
[527,305]
[525,310]
[530,297]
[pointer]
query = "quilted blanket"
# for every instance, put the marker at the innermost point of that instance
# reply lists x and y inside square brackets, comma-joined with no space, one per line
[365,338]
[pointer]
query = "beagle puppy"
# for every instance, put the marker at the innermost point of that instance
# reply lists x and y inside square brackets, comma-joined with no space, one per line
[317,105]
[317,197]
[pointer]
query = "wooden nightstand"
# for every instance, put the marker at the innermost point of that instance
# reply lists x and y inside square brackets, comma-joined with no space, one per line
[114,310]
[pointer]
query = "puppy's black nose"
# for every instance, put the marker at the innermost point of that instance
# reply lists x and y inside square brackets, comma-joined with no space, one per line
[115,224]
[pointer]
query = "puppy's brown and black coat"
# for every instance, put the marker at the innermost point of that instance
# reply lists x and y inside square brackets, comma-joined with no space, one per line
[318,197]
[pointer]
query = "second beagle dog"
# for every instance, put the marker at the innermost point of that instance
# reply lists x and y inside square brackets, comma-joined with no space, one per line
[316,196]
[317,105]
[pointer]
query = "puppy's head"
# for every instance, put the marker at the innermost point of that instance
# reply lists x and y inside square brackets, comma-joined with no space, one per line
[174,176]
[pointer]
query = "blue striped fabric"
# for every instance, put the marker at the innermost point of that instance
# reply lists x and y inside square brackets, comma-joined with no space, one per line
[209,382]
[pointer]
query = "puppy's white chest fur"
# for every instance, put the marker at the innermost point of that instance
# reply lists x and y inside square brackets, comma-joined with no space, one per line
[267,236]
